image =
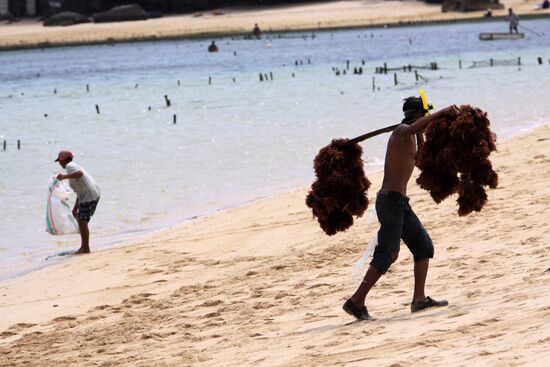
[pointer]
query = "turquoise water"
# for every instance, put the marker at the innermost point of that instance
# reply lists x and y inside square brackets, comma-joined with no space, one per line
[236,139]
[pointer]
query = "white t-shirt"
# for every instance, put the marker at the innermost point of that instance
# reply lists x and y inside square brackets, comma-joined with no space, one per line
[85,186]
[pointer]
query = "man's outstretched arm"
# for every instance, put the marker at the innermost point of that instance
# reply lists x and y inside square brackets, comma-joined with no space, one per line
[419,125]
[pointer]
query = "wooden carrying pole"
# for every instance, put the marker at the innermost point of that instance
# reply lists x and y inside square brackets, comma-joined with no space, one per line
[373,133]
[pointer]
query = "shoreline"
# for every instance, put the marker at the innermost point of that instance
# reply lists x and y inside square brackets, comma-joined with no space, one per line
[126,242]
[263,284]
[223,210]
[234,22]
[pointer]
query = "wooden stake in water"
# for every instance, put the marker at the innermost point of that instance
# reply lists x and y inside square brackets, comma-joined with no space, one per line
[209,80]
[168,103]
[373,84]
[97,109]
[5,143]
[460,64]
[394,78]
[18,144]
[271,75]
[174,119]
[87,88]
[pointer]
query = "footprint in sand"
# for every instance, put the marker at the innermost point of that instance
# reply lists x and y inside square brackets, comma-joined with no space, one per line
[458,314]
[256,294]
[211,303]
[262,305]
[281,294]
[153,271]
[492,336]
[6,334]
[101,307]
[212,314]
[473,294]
[21,326]
[64,318]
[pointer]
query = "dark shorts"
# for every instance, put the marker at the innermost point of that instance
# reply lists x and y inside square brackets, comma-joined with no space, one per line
[398,221]
[86,210]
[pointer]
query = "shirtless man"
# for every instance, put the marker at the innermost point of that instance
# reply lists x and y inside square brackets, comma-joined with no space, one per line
[396,217]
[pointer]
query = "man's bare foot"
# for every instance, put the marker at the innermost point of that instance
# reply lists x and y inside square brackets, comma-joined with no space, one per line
[82,251]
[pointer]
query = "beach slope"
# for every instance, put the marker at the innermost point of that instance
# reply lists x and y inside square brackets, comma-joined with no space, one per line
[261,285]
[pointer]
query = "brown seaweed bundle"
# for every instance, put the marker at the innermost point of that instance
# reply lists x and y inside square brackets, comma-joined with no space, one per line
[459,146]
[340,190]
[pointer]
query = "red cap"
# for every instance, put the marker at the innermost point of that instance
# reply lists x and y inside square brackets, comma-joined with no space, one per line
[64,155]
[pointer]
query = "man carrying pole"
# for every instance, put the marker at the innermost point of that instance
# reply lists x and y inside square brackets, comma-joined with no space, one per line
[396,217]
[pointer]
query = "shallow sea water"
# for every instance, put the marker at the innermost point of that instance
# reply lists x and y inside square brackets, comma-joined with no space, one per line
[236,139]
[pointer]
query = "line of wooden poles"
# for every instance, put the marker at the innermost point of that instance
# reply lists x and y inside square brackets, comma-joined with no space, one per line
[265,77]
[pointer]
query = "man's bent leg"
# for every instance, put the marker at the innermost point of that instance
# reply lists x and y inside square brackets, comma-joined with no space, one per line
[368,282]
[84,237]
[355,306]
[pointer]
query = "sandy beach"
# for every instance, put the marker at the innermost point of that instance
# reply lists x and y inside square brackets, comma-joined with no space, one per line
[31,33]
[262,285]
